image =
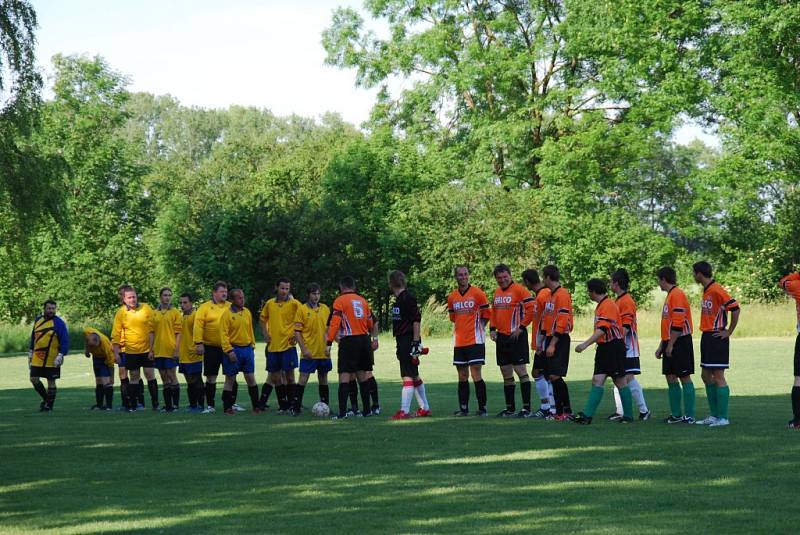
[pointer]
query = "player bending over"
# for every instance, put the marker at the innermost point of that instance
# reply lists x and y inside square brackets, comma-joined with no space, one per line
[98,347]
[609,358]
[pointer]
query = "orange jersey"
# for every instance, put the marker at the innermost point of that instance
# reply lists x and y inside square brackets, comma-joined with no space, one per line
[791,285]
[676,315]
[469,313]
[608,319]
[351,316]
[557,315]
[537,340]
[715,307]
[627,311]
[512,308]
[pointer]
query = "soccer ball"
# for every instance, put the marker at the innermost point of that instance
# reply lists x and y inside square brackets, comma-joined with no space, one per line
[320,409]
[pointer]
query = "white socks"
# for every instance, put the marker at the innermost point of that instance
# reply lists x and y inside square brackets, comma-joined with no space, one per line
[419,392]
[543,391]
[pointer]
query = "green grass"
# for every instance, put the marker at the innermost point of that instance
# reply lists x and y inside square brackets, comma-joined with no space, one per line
[76,471]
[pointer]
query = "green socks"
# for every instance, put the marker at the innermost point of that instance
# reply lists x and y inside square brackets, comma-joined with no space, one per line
[627,401]
[674,391]
[595,395]
[723,396]
[688,399]
[711,394]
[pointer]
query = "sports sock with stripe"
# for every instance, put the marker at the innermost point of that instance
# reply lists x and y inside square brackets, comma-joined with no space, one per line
[422,397]
[592,402]
[41,390]
[480,394]
[406,395]
[508,391]
[525,391]
[627,401]
[463,395]
[674,392]
[253,391]
[543,391]
[711,395]
[723,397]
[638,395]
[689,399]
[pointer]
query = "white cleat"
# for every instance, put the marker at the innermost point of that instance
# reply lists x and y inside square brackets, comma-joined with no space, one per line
[209,410]
[709,420]
[721,422]
[238,408]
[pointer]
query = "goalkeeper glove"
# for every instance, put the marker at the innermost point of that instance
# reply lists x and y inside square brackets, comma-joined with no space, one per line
[59,360]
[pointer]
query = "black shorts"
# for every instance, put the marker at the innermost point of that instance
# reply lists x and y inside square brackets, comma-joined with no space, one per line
[609,359]
[355,354]
[558,364]
[632,366]
[681,363]
[134,361]
[714,352]
[403,353]
[474,355]
[797,356]
[212,359]
[510,351]
[539,361]
[45,372]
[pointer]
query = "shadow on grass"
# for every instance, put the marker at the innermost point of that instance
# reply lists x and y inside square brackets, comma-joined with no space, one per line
[87,472]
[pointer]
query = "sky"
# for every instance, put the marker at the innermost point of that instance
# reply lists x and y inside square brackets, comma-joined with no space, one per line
[213,54]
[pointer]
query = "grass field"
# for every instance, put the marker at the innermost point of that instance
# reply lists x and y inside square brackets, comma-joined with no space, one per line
[76,471]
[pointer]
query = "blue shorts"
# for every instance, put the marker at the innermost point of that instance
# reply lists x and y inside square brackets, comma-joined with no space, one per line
[245,361]
[314,365]
[122,359]
[101,369]
[164,363]
[282,360]
[191,368]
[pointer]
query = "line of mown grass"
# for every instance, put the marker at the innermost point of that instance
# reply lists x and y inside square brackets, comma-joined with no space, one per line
[76,471]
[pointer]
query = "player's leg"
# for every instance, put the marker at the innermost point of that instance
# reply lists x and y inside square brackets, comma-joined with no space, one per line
[476,371]
[99,402]
[323,367]
[542,385]
[344,389]
[638,395]
[369,378]
[625,394]
[227,394]
[166,389]
[593,401]
[152,384]
[52,390]
[509,390]
[525,389]
[410,367]
[39,388]
[463,390]
[267,388]
[175,385]
[307,367]
[123,383]
[723,398]
[252,391]
[289,365]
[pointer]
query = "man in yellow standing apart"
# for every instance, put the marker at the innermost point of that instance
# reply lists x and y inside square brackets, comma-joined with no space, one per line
[134,324]
[49,344]
[98,346]
[167,327]
[238,343]
[310,325]
[277,324]
[207,336]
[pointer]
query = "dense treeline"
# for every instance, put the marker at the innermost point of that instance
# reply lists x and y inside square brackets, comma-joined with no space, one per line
[532,132]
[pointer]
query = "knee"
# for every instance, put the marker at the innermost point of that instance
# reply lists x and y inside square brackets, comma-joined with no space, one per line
[524,378]
[508,380]
[35,380]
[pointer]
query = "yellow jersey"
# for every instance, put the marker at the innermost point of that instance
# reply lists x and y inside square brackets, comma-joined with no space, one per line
[48,338]
[311,323]
[237,329]
[102,351]
[187,354]
[134,325]
[207,323]
[279,317]
[166,325]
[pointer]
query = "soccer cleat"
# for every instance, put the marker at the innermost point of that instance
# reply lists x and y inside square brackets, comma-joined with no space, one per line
[707,420]
[523,413]
[541,414]
[549,417]
[294,412]
[281,412]
[581,418]
[96,408]
[721,422]
[563,416]
[401,415]
[209,410]
[107,409]
[257,410]
[688,420]
[615,417]
[674,419]
[349,414]
[625,420]
[644,415]
[376,410]
[423,413]
[358,414]
[793,425]
[156,408]
[505,413]
[263,406]
[459,413]
[230,411]
[239,408]
[481,413]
